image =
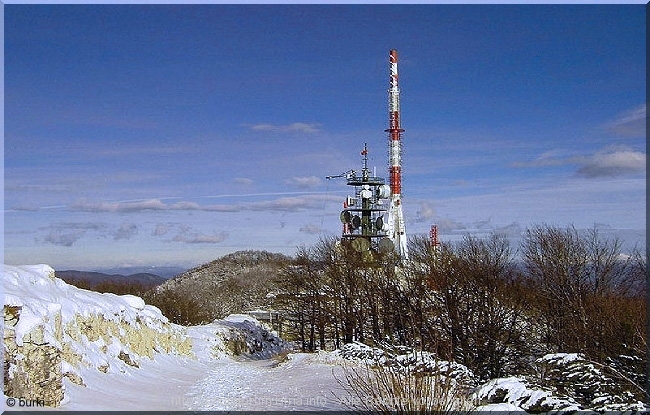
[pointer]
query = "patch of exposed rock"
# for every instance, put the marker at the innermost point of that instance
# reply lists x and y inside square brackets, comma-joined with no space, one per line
[54,330]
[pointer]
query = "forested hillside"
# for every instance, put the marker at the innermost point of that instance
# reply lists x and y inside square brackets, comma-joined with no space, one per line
[234,283]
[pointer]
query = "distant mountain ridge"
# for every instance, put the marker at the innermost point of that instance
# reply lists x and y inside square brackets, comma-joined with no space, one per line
[165,272]
[93,279]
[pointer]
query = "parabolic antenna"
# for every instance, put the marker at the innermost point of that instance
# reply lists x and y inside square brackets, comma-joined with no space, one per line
[356,222]
[361,244]
[383,192]
[386,246]
[379,223]
[345,216]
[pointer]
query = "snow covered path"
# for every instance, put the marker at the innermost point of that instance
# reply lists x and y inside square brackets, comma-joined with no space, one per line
[303,382]
[159,384]
[214,381]
[117,353]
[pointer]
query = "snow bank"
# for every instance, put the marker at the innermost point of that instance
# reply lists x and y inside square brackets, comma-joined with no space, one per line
[58,337]
[54,330]
[248,335]
[171,382]
[514,392]
[562,381]
[237,335]
[594,385]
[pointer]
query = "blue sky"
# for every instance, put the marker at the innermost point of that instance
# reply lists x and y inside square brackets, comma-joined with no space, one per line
[171,135]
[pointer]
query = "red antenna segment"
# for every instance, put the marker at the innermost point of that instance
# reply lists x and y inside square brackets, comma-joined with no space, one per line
[397,231]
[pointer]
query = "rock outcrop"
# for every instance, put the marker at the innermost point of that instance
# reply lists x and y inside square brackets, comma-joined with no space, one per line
[55,331]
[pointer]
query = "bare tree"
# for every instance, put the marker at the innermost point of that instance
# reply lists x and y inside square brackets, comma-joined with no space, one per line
[465,293]
[587,294]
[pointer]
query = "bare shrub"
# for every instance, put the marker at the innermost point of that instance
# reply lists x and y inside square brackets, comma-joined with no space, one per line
[402,390]
[179,309]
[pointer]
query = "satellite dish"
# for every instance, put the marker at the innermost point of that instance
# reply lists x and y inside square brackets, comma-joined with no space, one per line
[345,216]
[361,244]
[379,223]
[386,246]
[366,194]
[356,222]
[383,191]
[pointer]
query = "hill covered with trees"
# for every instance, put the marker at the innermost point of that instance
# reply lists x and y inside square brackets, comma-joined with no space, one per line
[234,283]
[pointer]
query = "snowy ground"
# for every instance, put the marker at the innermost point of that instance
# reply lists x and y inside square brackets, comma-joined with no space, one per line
[170,383]
[302,382]
[208,378]
[212,381]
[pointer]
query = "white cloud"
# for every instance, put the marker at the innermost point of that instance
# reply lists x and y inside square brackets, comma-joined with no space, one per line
[38,188]
[183,205]
[619,202]
[125,207]
[426,212]
[243,181]
[126,231]
[447,225]
[190,236]
[631,123]
[609,162]
[303,127]
[67,233]
[612,163]
[548,158]
[512,230]
[162,229]
[311,229]
[293,203]
[299,127]
[63,237]
[310,182]
[483,224]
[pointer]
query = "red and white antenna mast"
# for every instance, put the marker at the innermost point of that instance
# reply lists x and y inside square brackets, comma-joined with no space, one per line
[396,227]
[433,235]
